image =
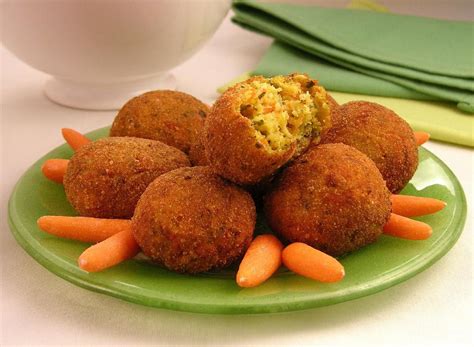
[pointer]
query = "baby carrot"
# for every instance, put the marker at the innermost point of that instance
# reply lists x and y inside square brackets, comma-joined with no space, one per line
[85,229]
[261,260]
[74,139]
[421,137]
[110,252]
[55,169]
[412,206]
[407,228]
[309,262]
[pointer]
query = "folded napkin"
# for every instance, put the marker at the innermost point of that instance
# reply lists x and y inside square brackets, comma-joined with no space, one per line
[399,56]
[281,58]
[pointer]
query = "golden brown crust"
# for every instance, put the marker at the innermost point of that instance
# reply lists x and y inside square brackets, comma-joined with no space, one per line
[191,220]
[334,109]
[382,135]
[172,117]
[333,104]
[197,152]
[105,178]
[334,119]
[332,198]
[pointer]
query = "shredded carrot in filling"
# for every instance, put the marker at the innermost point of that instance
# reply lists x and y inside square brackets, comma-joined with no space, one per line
[284,110]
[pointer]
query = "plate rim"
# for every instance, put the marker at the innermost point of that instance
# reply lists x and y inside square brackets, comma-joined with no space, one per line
[76,277]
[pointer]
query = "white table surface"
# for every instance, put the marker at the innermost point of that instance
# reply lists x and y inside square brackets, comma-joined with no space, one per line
[38,307]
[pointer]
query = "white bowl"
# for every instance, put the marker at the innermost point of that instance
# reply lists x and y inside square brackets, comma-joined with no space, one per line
[102,52]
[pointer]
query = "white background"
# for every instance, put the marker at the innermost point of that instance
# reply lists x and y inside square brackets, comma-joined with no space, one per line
[435,307]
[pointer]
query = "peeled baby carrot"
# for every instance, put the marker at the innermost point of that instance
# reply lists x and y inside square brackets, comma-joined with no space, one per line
[55,169]
[407,228]
[412,206]
[261,260]
[421,137]
[85,229]
[309,262]
[74,139]
[110,252]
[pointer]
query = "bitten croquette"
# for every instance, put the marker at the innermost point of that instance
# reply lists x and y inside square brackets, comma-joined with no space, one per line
[105,178]
[258,125]
[382,135]
[172,117]
[332,198]
[191,220]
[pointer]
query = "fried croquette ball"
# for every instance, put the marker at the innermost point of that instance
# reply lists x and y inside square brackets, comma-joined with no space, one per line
[380,134]
[172,117]
[260,124]
[105,178]
[332,198]
[191,220]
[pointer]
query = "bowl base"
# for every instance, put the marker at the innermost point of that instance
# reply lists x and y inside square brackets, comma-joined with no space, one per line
[103,96]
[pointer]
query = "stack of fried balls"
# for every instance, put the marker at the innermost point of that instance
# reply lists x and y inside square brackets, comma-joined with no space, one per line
[190,176]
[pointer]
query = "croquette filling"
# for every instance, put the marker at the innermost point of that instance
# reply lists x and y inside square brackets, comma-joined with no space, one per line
[284,110]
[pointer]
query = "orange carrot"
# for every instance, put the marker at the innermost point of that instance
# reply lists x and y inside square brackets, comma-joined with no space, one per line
[309,262]
[412,206]
[261,260]
[407,228]
[84,229]
[421,137]
[110,252]
[75,139]
[55,169]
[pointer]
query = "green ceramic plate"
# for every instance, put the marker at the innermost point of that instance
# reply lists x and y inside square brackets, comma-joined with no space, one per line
[372,269]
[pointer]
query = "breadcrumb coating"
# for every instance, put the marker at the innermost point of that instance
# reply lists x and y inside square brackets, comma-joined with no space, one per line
[191,220]
[105,178]
[332,198]
[172,117]
[382,135]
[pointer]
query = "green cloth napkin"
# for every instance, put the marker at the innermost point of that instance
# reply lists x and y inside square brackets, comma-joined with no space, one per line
[401,56]
[283,59]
